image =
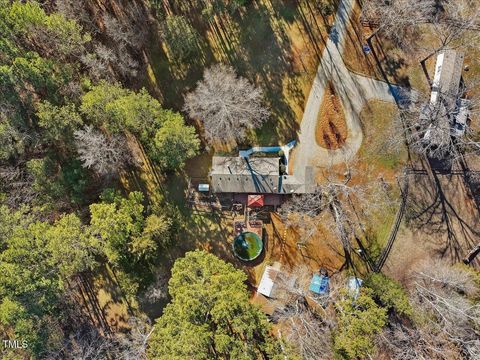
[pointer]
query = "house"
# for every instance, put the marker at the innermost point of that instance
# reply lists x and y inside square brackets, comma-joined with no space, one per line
[447,78]
[446,103]
[256,175]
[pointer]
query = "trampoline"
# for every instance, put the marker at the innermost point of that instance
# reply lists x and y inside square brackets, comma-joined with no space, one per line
[247,246]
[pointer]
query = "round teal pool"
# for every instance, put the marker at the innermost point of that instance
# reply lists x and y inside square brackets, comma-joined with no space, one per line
[247,246]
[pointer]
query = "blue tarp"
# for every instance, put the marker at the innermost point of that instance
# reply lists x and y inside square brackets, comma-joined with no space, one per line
[319,284]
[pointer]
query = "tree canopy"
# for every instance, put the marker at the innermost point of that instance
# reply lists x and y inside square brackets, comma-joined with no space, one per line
[36,259]
[359,321]
[181,38]
[209,315]
[163,132]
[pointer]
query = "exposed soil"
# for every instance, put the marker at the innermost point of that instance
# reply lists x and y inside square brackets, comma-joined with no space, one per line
[322,250]
[331,131]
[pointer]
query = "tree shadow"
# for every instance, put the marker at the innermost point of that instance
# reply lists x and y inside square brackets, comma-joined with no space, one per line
[440,209]
[254,40]
[382,60]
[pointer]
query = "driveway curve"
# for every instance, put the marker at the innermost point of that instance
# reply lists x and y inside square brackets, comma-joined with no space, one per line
[353,90]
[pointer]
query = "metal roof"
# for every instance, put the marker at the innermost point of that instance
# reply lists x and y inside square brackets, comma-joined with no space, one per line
[244,166]
[255,175]
[448,73]
[267,282]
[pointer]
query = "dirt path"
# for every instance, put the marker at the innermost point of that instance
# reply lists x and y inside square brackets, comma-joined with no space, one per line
[354,91]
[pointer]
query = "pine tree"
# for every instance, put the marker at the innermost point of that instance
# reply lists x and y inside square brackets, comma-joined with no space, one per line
[209,315]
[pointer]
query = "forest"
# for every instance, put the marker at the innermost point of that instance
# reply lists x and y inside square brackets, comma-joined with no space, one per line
[111,112]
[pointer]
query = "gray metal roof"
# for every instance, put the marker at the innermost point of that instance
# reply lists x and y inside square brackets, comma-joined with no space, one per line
[254,175]
[448,73]
[244,166]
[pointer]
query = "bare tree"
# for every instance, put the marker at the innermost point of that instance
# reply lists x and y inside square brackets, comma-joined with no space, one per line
[226,104]
[159,289]
[430,127]
[98,62]
[97,152]
[123,38]
[307,332]
[308,328]
[84,343]
[447,299]
[397,20]
[117,31]
[133,345]
[342,206]
[452,23]
[401,21]
[77,10]
[17,184]
[403,342]
[87,343]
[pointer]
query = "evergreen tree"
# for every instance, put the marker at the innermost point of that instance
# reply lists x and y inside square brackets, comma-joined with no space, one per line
[181,38]
[36,259]
[59,122]
[209,315]
[115,223]
[175,143]
[359,321]
[162,132]
[389,293]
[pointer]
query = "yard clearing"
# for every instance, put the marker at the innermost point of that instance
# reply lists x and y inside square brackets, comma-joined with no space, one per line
[275,44]
[442,223]
[397,66]
[378,149]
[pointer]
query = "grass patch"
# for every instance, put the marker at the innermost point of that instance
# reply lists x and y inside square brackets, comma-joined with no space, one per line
[377,122]
[378,232]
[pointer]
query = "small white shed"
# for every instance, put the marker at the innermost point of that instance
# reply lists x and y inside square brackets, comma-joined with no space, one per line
[267,283]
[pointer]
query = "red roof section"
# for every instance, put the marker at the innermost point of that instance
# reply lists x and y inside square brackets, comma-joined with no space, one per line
[255,200]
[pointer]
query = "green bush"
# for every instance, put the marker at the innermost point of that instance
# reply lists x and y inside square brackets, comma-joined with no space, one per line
[389,293]
[358,323]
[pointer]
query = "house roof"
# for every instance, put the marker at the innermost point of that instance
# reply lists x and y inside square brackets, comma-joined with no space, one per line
[259,184]
[448,73]
[244,166]
[255,175]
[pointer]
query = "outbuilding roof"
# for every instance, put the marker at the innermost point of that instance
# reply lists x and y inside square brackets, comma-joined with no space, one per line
[267,282]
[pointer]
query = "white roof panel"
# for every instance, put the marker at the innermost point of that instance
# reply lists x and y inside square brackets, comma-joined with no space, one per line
[268,281]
